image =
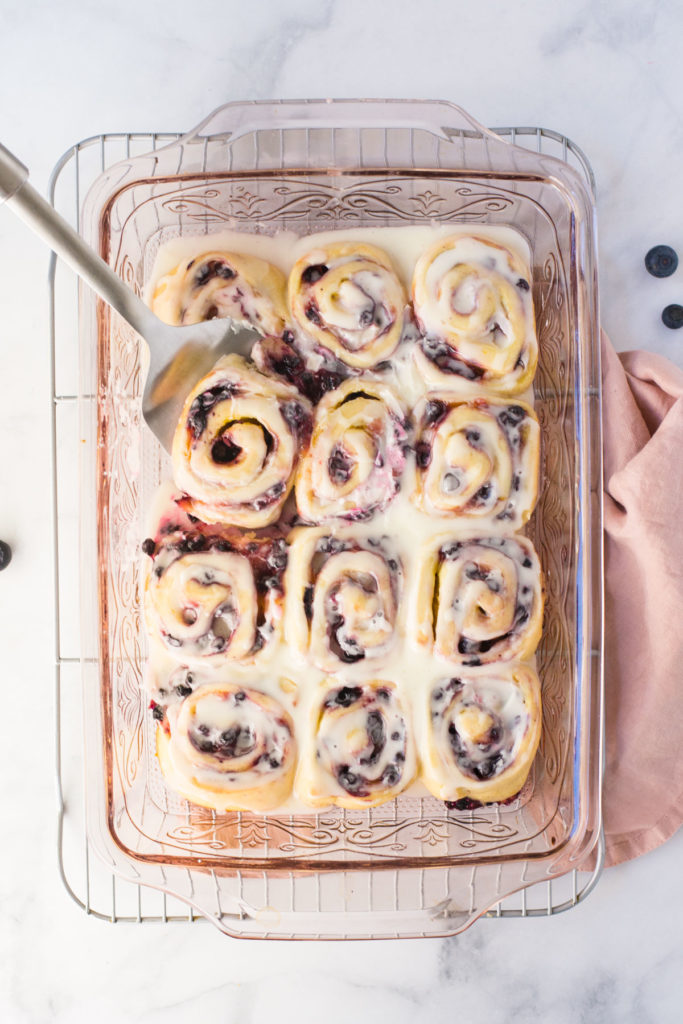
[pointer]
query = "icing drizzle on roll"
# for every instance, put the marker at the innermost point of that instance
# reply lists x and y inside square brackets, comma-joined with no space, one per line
[472,301]
[483,734]
[360,751]
[343,595]
[223,284]
[478,460]
[348,298]
[356,455]
[237,442]
[479,600]
[229,748]
[209,601]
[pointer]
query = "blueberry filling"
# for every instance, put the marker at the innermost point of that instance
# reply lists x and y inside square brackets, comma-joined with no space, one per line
[434,411]
[204,403]
[233,742]
[312,313]
[214,268]
[308,601]
[467,646]
[346,648]
[512,416]
[482,495]
[269,497]
[339,466]
[523,285]
[348,779]
[489,762]
[344,697]
[314,273]
[295,415]
[443,357]
[376,736]
[423,454]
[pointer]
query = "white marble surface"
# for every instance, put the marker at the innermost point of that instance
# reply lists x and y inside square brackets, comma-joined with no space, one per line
[606,72]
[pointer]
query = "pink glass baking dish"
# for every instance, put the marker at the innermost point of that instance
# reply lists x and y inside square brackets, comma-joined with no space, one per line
[410,867]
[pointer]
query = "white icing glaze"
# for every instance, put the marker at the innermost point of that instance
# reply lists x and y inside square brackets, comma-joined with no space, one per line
[402,528]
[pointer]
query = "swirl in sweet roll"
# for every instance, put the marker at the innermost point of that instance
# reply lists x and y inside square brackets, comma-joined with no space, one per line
[352,466]
[236,444]
[477,459]
[472,300]
[228,748]
[207,602]
[482,734]
[479,600]
[347,296]
[360,752]
[342,598]
[223,284]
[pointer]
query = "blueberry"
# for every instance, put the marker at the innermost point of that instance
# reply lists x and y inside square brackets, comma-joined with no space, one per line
[672,316]
[347,695]
[314,273]
[661,261]
[148,546]
[434,410]
[5,554]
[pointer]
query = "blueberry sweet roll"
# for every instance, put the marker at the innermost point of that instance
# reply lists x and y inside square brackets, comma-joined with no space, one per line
[482,735]
[347,297]
[209,601]
[223,284]
[228,748]
[342,598]
[359,752]
[480,600]
[236,444]
[477,460]
[352,467]
[473,303]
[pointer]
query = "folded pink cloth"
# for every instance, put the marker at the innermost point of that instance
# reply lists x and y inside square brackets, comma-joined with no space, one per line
[643,490]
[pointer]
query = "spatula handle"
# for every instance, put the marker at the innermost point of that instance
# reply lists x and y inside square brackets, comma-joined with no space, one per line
[44,220]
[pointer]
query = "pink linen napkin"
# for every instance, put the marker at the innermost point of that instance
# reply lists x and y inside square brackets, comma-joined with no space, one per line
[643,492]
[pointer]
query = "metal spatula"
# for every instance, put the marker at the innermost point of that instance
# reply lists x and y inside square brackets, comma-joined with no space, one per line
[178,356]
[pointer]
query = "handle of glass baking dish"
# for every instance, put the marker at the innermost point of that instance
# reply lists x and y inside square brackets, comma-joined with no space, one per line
[233,120]
[44,221]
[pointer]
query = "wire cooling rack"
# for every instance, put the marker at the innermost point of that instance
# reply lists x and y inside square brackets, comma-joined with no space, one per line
[89,882]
